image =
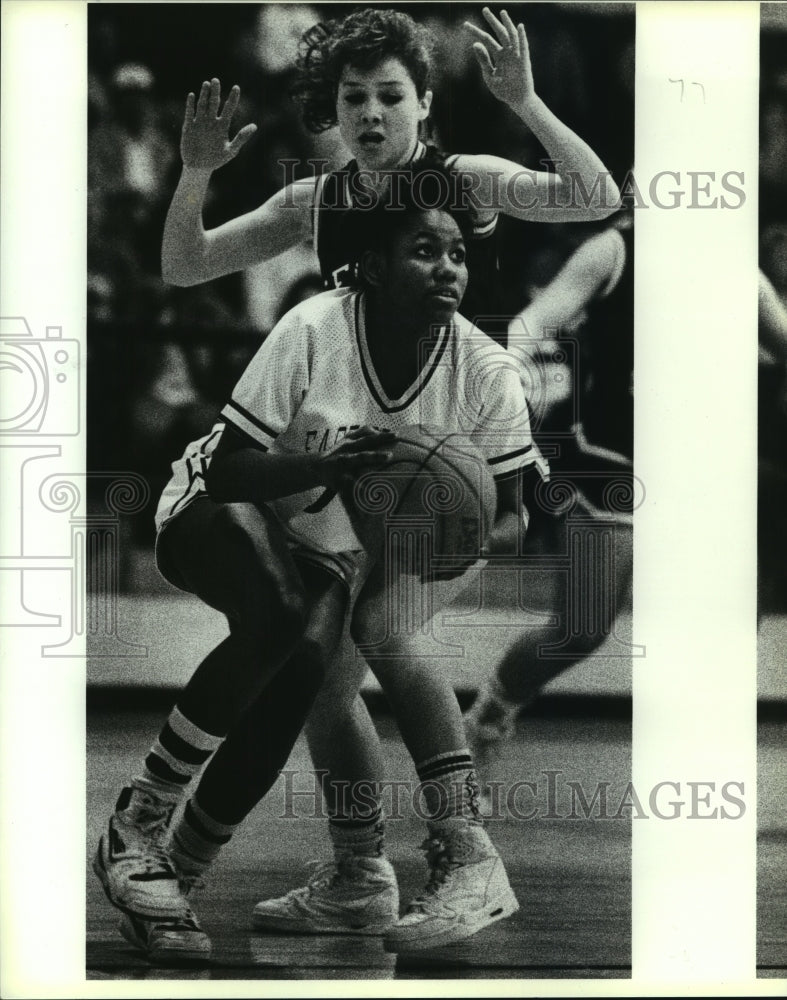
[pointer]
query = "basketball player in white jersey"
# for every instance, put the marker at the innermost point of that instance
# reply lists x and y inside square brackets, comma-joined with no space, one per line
[369,73]
[246,525]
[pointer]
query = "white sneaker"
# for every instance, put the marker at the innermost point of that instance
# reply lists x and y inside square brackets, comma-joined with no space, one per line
[468,890]
[167,942]
[135,870]
[355,895]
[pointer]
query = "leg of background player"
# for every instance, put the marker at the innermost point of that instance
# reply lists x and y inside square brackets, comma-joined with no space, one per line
[524,670]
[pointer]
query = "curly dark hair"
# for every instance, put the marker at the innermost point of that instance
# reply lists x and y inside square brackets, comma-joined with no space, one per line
[362,40]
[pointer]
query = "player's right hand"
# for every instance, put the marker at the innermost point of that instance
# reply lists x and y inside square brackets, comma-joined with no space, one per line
[362,449]
[205,141]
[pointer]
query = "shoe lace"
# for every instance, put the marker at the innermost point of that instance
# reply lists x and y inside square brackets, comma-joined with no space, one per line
[152,819]
[323,874]
[441,864]
[158,862]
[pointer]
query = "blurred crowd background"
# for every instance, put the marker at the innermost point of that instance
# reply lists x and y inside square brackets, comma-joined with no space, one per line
[162,360]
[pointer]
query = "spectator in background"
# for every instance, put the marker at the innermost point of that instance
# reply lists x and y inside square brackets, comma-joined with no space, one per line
[131,152]
[129,158]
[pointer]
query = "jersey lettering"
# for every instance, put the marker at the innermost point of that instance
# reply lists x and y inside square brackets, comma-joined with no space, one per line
[342,276]
[325,441]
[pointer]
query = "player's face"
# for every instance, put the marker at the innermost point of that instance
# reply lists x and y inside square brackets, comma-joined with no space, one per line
[379,111]
[424,269]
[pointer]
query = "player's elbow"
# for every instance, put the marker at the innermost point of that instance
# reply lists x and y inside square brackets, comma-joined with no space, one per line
[595,202]
[607,201]
[173,272]
[600,212]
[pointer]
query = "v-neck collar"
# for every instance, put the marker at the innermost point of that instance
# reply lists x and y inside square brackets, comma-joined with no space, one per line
[381,397]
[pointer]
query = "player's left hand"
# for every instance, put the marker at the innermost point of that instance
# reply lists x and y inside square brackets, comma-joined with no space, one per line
[504,58]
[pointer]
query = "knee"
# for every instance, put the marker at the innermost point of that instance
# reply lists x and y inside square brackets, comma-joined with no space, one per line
[272,597]
[275,618]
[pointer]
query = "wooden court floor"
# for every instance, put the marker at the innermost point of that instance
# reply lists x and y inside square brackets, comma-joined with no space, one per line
[572,875]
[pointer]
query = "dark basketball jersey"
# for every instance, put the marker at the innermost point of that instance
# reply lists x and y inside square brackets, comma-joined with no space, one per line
[336,196]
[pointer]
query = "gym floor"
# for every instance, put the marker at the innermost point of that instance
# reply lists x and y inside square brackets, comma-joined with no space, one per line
[572,876]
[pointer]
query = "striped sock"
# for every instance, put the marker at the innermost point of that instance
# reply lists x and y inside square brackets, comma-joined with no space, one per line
[449,786]
[197,839]
[177,755]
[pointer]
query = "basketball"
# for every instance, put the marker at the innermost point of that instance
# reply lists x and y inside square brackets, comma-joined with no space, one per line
[432,505]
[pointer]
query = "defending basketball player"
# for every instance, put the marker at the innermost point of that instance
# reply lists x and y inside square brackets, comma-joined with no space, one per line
[370,74]
[247,512]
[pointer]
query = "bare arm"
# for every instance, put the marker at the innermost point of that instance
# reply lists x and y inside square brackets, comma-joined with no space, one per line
[240,471]
[190,254]
[586,273]
[582,188]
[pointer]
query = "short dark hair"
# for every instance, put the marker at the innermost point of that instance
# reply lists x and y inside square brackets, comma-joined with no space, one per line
[362,40]
[412,191]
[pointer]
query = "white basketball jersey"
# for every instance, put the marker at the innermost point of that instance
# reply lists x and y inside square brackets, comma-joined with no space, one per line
[313,380]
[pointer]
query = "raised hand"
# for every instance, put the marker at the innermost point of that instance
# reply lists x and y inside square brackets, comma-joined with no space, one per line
[504,58]
[205,141]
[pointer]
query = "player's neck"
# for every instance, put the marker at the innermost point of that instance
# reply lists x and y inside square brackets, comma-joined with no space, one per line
[396,346]
[392,327]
